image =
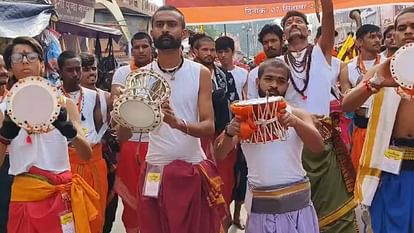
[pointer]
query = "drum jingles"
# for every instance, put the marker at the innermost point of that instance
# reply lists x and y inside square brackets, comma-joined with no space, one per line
[260,119]
[139,107]
[33,104]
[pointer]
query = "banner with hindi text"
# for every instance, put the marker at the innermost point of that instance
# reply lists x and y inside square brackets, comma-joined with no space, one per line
[219,11]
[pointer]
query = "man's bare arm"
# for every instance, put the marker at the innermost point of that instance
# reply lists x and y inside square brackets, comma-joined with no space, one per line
[307,131]
[327,39]
[205,108]
[82,147]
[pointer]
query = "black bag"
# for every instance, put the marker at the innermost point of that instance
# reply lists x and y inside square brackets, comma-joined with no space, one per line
[107,64]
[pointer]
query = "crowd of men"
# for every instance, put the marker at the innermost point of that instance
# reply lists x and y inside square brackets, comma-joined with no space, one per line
[335,172]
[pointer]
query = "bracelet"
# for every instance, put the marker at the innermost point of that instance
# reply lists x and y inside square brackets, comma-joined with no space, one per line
[187,130]
[5,141]
[226,132]
[368,86]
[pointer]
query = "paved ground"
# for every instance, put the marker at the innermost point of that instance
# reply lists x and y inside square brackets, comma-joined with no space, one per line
[119,227]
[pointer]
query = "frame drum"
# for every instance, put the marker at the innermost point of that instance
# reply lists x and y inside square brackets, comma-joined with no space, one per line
[33,104]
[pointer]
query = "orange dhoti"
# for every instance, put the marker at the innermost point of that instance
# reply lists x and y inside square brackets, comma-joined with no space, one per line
[358,138]
[37,202]
[131,157]
[94,172]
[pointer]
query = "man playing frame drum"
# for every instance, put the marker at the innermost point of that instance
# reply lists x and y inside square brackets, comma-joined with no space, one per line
[94,171]
[179,190]
[45,196]
[278,187]
[385,177]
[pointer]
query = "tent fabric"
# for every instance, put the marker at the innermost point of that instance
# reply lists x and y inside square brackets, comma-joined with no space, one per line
[88,30]
[24,19]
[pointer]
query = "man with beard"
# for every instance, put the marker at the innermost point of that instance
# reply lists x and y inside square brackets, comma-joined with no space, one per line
[385,178]
[224,93]
[331,173]
[271,38]
[368,38]
[179,190]
[5,178]
[134,150]
[95,170]
[388,41]
[280,191]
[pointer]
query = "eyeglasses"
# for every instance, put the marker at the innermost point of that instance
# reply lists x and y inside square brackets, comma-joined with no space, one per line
[18,57]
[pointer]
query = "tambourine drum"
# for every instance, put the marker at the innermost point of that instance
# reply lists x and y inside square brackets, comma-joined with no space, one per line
[401,70]
[260,119]
[139,108]
[140,115]
[33,104]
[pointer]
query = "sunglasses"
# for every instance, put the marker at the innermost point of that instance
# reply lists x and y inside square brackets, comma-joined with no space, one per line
[18,57]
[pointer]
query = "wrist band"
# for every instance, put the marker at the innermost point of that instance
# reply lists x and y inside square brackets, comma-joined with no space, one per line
[187,130]
[368,86]
[227,133]
[5,141]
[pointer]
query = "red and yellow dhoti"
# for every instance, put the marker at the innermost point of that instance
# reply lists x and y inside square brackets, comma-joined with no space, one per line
[37,202]
[94,172]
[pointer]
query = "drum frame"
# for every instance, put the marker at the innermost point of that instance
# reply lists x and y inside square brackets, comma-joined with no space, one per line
[22,123]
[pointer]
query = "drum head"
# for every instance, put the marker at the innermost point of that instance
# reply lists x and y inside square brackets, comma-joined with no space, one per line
[401,66]
[32,104]
[137,114]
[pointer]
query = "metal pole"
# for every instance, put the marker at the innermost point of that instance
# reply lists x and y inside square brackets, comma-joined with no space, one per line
[225,29]
[247,42]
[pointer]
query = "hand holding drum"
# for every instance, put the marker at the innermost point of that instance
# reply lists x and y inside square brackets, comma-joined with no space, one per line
[139,107]
[261,120]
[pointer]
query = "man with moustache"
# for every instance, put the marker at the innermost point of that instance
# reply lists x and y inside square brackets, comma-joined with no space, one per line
[331,173]
[387,190]
[224,93]
[179,190]
[133,151]
[5,178]
[368,39]
[388,41]
[279,192]
[89,107]
[271,38]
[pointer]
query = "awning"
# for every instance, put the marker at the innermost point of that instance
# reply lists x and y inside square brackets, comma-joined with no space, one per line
[23,19]
[88,30]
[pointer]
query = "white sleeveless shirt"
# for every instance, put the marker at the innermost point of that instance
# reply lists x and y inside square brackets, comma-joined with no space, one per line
[318,92]
[167,144]
[275,163]
[87,105]
[47,151]
[104,112]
